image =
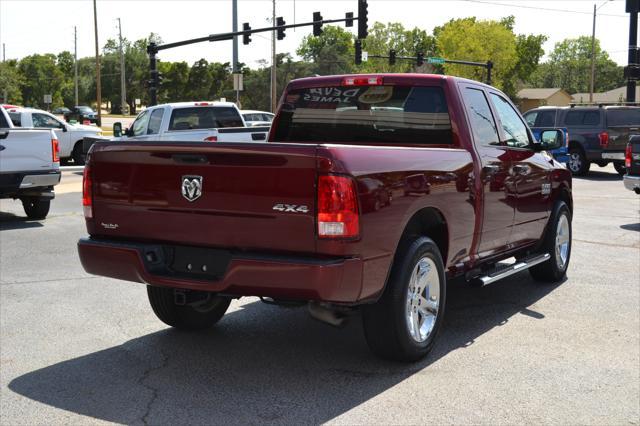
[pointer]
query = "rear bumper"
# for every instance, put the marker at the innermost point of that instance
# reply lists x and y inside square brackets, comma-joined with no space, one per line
[336,280]
[632,183]
[28,183]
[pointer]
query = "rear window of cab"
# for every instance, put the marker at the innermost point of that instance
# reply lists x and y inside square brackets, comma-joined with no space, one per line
[375,114]
[204,118]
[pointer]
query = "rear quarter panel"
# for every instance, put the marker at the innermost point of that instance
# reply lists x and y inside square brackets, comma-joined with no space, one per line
[403,181]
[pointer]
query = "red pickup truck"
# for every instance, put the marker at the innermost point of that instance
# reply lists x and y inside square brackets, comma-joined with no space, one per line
[372,192]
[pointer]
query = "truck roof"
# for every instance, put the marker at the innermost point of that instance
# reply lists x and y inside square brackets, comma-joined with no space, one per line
[393,78]
[196,103]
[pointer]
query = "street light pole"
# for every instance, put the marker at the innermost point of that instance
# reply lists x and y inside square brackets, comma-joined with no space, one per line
[273,61]
[98,83]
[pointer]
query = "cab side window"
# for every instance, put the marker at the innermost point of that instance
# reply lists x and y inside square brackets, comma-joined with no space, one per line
[43,120]
[154,121]
[483,125]
[513,127]
[139,126]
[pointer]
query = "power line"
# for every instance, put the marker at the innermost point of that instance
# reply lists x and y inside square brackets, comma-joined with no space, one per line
[549,9]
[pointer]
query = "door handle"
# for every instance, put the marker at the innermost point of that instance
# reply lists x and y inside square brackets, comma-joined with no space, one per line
[3,135]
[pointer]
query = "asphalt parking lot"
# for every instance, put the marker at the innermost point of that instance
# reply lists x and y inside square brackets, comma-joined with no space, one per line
[77,349]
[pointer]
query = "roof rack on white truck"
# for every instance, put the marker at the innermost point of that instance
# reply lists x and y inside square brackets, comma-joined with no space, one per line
[29,166]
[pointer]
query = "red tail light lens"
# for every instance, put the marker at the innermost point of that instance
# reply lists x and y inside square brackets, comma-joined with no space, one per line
[604,139]
[55,151]
[211,139]
[627,157]
[87,192]
[337,207]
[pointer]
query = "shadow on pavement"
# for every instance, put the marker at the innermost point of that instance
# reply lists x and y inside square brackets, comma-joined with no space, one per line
[9,221]
[631,227]
[260,364]
[600,176]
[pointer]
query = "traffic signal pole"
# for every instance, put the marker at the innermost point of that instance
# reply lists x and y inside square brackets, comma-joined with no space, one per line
[153,48]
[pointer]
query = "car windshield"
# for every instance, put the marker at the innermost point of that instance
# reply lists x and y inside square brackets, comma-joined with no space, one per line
[384,114]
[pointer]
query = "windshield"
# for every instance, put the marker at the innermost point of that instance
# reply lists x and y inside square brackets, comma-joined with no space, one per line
[84,109]
[385,114]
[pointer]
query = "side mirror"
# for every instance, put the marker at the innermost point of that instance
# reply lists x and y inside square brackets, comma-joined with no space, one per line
[550,139]
[117,129]
[64,128]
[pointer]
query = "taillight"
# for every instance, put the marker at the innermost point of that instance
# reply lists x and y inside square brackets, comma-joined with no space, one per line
[627,156]
[362,81]
[87,192]
[211,139]
[337,207]
[55,150]
[604,139]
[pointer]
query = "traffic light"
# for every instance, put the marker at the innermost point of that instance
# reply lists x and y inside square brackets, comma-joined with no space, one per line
[420,59]
[349,19]
[363,16]
[358,52]
[280,23]
[246,38]
[317,24]
[392,57]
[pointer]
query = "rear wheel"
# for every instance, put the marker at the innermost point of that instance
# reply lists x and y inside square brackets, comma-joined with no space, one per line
[620,168]
[578,163]
[404,323]
[36,208]
[557,242]
[77,154]
[195,316]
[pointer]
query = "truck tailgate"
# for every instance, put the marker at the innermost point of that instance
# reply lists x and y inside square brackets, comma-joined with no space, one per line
[138,193]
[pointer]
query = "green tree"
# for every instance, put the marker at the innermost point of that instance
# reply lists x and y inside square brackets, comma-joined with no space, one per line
[569,67]
[331,52]
[41,76]
[11,82]
[472,40]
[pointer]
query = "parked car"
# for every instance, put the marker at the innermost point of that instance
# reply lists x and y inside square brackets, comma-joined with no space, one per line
[632,165]
[597,134]
[29,166]
[70,136]
[191,121]
[257,118]
[82,114]
[61,111]
[286,220]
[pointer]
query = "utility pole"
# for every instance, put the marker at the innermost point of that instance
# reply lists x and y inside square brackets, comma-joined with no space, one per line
[593,50]
[75,65]
[98,83]
[273,61]
[234,13]
[4,58]
[123,88]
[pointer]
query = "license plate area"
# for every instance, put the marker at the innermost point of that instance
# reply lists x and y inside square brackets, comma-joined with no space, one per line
[194,263]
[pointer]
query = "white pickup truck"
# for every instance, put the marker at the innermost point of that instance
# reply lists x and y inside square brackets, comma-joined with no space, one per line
[29,166]
[69,136]
[191,121]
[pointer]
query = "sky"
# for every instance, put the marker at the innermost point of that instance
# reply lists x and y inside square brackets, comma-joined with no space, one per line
[46,26]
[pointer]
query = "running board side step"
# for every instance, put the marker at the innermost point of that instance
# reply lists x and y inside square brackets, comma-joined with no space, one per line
[501,273]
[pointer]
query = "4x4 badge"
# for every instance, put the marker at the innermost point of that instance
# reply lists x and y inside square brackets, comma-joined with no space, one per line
[191,187]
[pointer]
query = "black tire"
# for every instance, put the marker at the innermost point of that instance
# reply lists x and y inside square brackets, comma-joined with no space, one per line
[36,208]
[77,154]
[554,270]
[578,163]
[620,168]
[186,317]
[386,326]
